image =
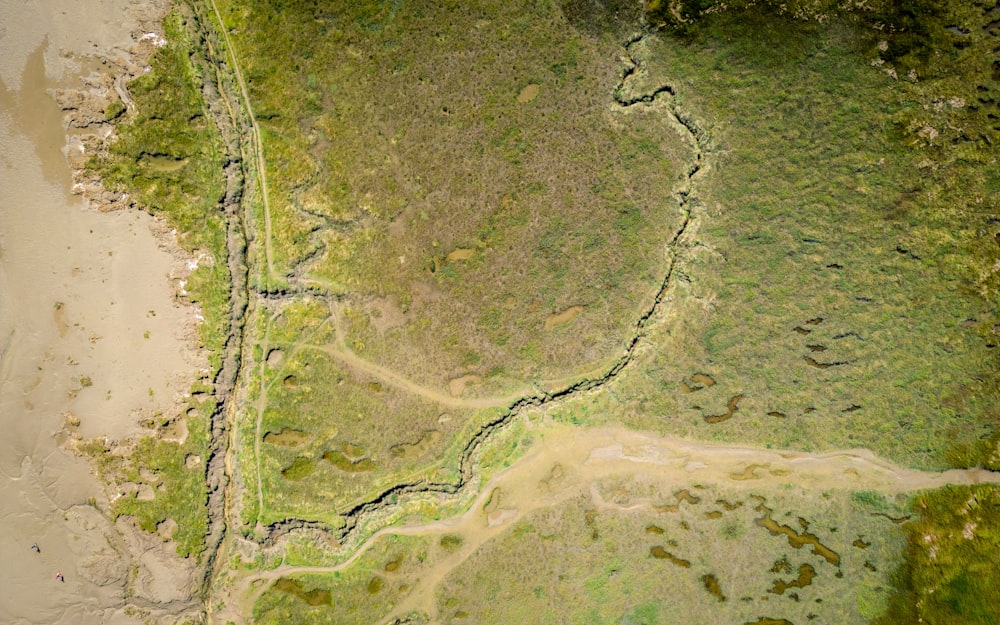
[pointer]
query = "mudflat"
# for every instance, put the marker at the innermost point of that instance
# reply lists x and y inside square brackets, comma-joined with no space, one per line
[92,337]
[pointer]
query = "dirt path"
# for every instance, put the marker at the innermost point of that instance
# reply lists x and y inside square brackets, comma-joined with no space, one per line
[395,380]
[261,164]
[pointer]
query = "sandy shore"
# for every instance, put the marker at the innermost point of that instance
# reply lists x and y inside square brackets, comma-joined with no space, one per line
[89,329]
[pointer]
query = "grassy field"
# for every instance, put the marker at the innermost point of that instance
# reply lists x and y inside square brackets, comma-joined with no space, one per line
[363,594]
[703,563]
[838,288]
[691,554]
[474,214]
[463,212]
[464,215]
[461,177]
[331,436]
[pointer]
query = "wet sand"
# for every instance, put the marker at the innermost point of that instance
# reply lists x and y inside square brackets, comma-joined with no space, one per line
[89,327]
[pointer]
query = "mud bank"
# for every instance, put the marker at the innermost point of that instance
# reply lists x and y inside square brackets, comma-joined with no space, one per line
[92,337]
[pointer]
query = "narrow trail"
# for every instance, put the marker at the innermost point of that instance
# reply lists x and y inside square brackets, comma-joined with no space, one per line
[259,406]
[395,380]
[258,159]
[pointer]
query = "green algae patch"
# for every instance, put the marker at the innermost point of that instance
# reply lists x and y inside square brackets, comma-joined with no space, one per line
[300,469]
[314,597]
[711,584]
[949,574]
[286,437]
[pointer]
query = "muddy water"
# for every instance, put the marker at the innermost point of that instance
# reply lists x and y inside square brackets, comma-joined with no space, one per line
[88,325]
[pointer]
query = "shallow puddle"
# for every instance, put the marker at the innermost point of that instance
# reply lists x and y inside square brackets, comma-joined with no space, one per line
[711,583]
[731,409]
[564,317]
[408,451]
[796,539]
[806,575]
[162,162]
[660,553]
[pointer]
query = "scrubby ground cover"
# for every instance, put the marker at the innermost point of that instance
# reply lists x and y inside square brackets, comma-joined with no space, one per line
[840,290]
[460,190]
[168,155]
[629,551]
[460,215]
[363,594]
[325,434]
[699,556]
[461,177]
[949,575]
[473,203]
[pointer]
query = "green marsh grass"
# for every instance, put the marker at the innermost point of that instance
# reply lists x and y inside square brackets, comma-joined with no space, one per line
[800,243]
[578,563]
[407,141]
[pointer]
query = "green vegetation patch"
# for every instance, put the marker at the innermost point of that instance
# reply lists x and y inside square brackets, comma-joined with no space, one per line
[169,157]
[363,593]
[655,557]
[950,574]
[326,434]
[840,291]
[630,551]
[161,478]
[462,174]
